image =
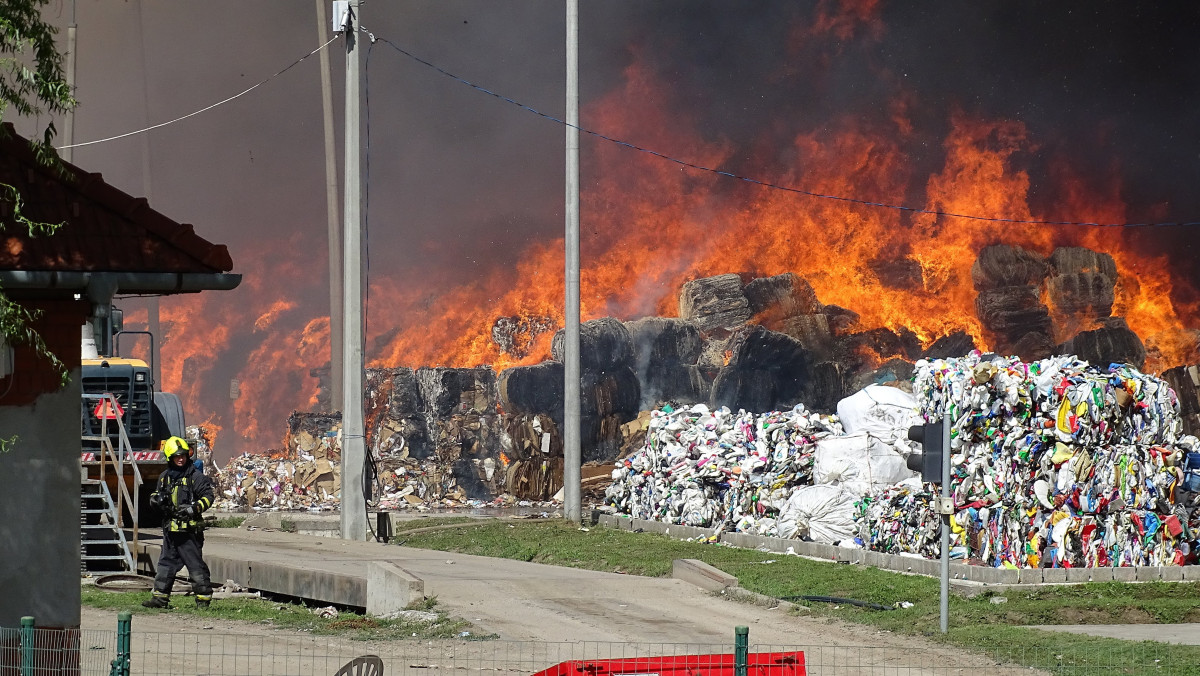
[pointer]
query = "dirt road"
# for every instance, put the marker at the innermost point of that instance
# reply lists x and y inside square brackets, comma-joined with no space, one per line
[542,614]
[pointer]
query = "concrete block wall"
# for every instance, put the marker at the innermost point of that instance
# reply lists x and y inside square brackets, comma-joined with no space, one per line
[910,564]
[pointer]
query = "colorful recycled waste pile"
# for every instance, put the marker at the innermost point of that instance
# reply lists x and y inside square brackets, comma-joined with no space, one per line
[784,473]
[1055,463]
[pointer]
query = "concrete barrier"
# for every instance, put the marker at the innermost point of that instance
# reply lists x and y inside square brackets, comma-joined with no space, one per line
[702,575]
[391,588]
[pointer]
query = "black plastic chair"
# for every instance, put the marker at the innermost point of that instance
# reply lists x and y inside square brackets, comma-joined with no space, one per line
[367,665]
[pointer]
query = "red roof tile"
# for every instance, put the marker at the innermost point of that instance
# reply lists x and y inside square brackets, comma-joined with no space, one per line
[103,228]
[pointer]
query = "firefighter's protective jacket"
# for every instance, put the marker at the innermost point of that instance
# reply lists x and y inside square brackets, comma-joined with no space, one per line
[178,490]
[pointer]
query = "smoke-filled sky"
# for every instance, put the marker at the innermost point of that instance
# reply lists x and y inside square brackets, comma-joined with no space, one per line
[463,186]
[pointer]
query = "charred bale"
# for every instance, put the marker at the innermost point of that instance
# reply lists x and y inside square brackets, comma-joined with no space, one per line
[1001,265]
[899,273]
[748,389]
[616,392]
[954,344]
[1069,260]
[766,370]
[714,355]
[1112,343]
[603,344]
[405,397]
[841,321]
[457,390]
[533,389]
[825,387]
[714,303]
[781,296]
[1012,311]
[812,331]
[1085,295]
[677,383]
[882,342]
[658,341]
[1032,346]
[665,355]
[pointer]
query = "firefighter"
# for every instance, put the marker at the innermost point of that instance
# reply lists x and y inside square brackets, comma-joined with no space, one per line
[182,495]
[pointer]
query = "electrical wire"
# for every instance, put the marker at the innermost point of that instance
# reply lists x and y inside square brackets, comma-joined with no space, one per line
[202,110]
[768,184]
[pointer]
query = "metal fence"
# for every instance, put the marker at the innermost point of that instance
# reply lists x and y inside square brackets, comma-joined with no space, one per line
[41,652]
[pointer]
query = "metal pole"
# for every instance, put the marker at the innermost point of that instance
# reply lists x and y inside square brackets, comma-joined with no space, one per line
[741,650]
[354,503]
[69,123]
[945,597]
[572,507]
[153,324]
[124,633]
[332,216]
[27,646]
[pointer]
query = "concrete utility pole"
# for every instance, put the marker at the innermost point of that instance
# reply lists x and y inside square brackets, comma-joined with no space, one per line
[335,230]
[153,322]
[572,505]
[69,124]
[354,502]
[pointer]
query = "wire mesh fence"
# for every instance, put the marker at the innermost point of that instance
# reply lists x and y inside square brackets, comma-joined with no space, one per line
[40,652]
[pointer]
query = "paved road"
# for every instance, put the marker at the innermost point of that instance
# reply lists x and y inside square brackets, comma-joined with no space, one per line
[554,605]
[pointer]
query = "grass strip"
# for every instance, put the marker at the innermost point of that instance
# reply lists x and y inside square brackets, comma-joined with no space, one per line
[991,622]
[288,616]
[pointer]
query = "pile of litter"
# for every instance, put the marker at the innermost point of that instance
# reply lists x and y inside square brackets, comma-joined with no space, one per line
[1055,463]
[784,473]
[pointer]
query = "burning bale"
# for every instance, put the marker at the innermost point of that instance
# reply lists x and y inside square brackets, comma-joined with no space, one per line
[773,299]
[1008,279]
[515,336]
[1081,284]
[714,303]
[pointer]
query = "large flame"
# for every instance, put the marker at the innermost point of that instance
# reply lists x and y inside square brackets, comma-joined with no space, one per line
[650,225]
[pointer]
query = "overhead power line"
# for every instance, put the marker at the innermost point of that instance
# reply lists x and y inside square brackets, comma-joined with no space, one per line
[204,109]
[768,184]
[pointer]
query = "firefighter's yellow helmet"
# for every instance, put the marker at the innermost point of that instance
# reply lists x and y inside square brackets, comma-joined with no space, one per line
[174,445]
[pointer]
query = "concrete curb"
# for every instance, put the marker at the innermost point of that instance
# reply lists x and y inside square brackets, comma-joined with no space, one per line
[965,579]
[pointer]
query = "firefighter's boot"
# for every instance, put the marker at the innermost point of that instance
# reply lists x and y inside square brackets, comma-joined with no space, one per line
[157,601]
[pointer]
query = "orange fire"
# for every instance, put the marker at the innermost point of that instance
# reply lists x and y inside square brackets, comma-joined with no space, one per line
[651,225]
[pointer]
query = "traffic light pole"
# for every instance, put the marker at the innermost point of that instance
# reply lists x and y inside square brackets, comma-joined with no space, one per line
[945,600]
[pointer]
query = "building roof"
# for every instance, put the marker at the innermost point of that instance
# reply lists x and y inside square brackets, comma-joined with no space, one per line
[103,228]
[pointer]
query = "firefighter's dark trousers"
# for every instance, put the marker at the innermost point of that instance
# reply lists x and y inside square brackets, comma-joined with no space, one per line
[179,549]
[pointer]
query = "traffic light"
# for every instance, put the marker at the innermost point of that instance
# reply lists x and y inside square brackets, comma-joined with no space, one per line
[929,461]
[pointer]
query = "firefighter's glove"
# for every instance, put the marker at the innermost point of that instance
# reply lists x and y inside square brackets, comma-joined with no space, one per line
[185,513]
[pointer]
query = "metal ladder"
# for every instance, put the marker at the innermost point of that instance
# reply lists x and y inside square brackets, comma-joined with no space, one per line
[100,535]
[100,516]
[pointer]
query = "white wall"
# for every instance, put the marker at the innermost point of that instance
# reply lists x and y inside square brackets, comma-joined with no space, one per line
[39,511]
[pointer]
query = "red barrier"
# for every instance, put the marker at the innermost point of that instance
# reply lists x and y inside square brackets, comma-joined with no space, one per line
[757,664]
